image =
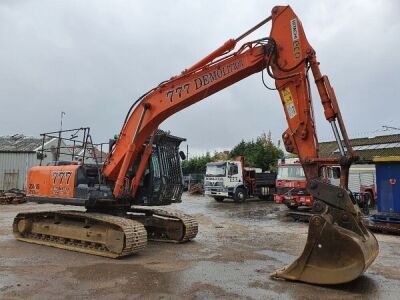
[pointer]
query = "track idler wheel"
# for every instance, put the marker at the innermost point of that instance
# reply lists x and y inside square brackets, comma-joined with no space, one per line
[339,248]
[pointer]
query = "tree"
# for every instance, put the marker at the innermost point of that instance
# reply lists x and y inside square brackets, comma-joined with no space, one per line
[261,154]
[196,164]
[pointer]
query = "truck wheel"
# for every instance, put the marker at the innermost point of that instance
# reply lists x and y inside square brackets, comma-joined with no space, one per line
[219,199]
[240,195]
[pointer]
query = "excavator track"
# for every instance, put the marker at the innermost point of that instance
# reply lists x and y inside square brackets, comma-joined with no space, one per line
[165,225]
[91,233]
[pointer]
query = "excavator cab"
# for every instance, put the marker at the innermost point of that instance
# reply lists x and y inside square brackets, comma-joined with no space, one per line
[162,182]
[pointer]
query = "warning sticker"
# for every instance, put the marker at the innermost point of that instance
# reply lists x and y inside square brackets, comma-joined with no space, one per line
[288,100]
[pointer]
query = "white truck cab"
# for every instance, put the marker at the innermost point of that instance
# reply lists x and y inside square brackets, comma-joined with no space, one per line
[230,179]
[223,178]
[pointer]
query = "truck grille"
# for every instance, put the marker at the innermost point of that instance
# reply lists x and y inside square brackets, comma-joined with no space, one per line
[215,183]
[292,191]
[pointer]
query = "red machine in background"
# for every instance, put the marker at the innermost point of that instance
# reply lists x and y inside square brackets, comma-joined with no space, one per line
[291,184]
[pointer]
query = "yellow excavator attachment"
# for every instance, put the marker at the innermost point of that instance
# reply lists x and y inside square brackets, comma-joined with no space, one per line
[339,247]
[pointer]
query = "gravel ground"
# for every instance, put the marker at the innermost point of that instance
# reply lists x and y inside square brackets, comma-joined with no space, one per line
[237,247]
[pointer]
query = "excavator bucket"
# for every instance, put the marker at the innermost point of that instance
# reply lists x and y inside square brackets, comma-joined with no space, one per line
[339,247]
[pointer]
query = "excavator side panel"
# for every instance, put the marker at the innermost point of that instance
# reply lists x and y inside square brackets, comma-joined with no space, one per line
[52,181]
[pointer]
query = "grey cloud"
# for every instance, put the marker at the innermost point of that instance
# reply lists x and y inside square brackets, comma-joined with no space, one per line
[91,59]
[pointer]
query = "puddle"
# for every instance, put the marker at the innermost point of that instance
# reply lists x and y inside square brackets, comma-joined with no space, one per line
[278,255]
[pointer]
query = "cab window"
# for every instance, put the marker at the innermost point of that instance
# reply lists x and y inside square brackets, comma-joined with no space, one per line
[334,172]
[233,169]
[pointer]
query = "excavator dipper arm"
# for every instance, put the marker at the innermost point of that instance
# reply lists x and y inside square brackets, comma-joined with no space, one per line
[339,248]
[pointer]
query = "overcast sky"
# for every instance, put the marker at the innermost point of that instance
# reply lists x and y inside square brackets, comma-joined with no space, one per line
[92,59]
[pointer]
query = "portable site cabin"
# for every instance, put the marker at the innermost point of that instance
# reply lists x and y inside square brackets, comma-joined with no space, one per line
[388,183]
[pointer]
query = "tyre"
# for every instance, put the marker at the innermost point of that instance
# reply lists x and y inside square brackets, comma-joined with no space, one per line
[240,195]
[219,198]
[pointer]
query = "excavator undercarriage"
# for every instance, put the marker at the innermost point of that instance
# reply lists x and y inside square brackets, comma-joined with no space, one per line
[91,233]
[104,234]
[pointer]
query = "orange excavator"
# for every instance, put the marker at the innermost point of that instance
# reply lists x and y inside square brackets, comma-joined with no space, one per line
[338,249]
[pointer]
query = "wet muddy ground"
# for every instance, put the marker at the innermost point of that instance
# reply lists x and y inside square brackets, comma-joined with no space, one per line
[238,246]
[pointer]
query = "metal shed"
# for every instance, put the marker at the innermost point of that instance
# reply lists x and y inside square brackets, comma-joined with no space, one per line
[18,153]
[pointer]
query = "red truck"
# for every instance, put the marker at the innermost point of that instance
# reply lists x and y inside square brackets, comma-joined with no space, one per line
[291,183]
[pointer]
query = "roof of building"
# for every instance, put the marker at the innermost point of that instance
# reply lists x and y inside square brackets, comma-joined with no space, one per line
[19,143]
[79,151]
[387,159]
[366,148]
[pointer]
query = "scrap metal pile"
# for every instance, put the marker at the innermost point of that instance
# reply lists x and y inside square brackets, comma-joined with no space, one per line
[13,196]
[196,188]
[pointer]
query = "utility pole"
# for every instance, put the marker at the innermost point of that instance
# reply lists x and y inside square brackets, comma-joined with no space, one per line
[187,151]
[62,114]
[59,138]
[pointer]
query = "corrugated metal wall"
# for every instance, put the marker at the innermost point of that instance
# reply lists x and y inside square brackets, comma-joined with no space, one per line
[13,169]
[14,166]
[361,175]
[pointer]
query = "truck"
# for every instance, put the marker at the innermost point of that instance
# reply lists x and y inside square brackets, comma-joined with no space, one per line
[291,183]
[231,179]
